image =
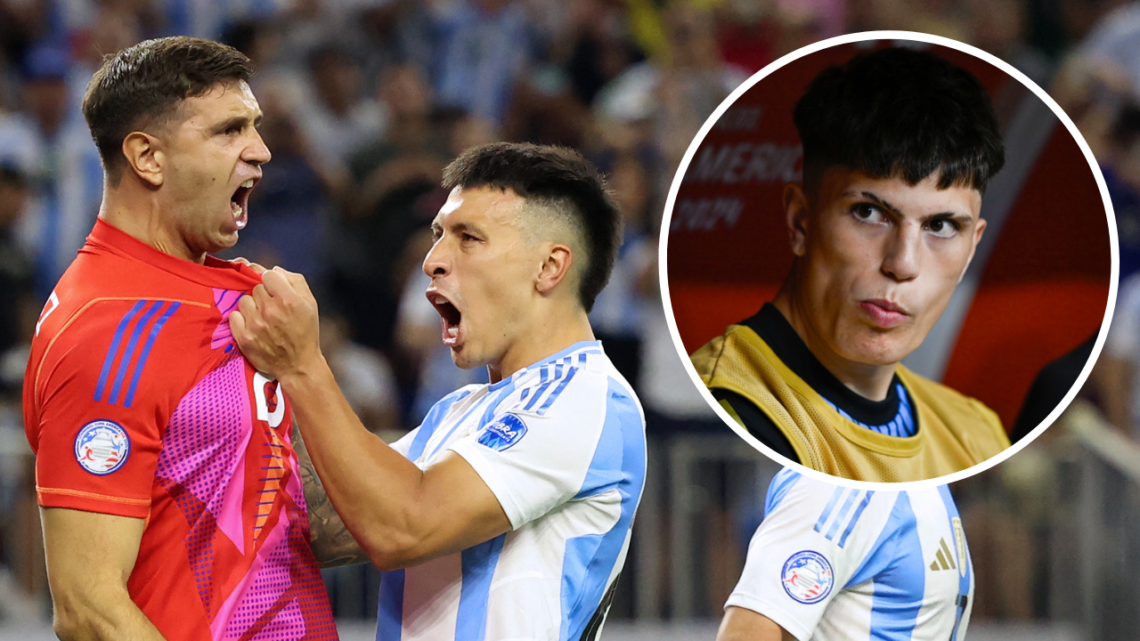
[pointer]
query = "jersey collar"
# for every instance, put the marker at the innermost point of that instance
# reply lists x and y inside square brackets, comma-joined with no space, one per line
[770,325]
[214,273]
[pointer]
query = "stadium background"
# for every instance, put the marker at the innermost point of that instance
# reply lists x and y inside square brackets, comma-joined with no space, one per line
[366,100]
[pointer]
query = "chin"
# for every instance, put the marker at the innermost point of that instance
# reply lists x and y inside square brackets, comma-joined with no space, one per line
[879,349]
[461,360]
[227,241]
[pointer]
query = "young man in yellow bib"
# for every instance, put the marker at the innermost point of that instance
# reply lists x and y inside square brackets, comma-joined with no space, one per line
[898,148]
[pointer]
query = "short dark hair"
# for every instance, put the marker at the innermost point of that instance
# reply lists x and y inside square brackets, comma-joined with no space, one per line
[142,85]
[900,112]
[557,177]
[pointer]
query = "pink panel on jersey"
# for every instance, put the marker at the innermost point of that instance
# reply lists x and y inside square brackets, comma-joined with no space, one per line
[280,599]
[204,447]
[226,301]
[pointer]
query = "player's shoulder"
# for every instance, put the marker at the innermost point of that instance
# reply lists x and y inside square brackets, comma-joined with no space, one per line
[707,356]
[578,388]
[736,353]
[583,380]
[781,484]
[89,322]
[955,407]
[104,344]
[801,497]
[441,408]
[933,495]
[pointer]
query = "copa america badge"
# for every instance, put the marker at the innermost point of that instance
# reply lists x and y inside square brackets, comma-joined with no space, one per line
[807,577]
[102,447]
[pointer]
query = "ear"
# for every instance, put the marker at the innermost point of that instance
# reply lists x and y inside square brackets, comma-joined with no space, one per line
[555,267]
[796,211]
[979,228]
[144,157]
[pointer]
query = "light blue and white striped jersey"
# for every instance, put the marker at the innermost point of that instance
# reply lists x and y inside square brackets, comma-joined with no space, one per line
[561,444]
[831,563]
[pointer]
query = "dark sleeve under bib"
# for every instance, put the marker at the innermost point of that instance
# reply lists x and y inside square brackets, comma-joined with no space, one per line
[757,423]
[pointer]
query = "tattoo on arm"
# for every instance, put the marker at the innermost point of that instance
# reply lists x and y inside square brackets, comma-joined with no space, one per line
[331,541]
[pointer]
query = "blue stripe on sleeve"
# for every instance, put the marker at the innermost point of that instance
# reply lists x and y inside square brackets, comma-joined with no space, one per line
[830,506]
[146,351]
[558,390]
[855,518]
[129,350]
[842,513]
[113,350]
[542,388]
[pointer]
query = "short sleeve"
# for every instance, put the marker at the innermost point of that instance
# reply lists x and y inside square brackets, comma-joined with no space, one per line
[534,460]
[412,444]
[104,398]
[811,543]
[403,445]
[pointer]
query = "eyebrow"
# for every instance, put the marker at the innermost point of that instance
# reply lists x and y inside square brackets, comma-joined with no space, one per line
[962,219]
[460,228]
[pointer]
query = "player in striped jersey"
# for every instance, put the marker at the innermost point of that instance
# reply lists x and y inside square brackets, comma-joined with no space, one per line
[832,563]
[506,514]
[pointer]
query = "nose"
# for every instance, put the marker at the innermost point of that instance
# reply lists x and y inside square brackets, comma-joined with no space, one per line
[901,259]
[436,263]
[256,153]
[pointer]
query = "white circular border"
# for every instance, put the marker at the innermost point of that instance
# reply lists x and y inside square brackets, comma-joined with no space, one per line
[663,257]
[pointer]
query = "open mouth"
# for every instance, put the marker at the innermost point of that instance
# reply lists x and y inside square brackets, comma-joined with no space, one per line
[450,317]
[239,203]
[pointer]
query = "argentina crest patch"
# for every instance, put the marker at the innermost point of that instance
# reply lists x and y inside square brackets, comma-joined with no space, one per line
[102,447]
[807,577]
[503,432]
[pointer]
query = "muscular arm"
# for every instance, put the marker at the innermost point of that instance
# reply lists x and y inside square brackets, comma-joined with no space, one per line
[330,539]
[89,559]
[741,624]
[399,514]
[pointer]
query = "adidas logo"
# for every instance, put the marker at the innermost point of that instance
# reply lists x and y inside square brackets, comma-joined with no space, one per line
[944,560]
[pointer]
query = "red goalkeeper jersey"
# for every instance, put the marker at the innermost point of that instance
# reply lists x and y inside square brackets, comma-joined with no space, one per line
[138,403]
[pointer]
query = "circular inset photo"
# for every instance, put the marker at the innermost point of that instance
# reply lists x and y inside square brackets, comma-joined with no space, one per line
[889,257]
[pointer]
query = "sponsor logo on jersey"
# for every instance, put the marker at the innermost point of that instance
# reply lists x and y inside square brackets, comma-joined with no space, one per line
[102,447]
[807,577]
[944,558]
[503,433]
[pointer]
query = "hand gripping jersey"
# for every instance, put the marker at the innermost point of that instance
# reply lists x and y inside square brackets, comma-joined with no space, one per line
[954,431]
[831,563]
[138,403]
[561,444]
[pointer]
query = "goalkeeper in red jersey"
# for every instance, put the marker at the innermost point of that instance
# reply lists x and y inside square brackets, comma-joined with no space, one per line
[172,496]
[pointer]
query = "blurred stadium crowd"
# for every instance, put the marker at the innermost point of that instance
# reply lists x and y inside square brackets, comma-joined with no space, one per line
[366,100]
